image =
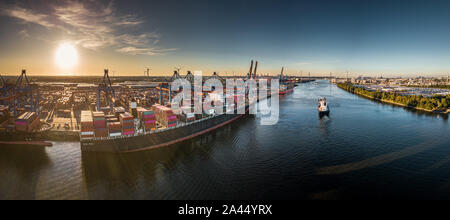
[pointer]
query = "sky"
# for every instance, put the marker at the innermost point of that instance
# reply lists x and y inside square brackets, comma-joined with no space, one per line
[371,38]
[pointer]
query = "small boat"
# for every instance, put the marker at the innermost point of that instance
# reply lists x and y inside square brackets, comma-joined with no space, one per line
[322,107]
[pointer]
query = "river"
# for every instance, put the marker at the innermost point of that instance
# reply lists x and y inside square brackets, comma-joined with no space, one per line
[365,149]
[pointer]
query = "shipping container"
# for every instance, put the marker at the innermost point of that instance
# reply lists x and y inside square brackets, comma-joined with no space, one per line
[164,115]
[26,122]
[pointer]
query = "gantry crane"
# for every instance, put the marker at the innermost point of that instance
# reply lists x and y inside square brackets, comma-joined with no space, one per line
[106,87]
[25,94]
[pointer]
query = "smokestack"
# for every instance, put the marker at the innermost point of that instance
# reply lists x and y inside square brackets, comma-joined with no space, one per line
[250,72]
[254,72]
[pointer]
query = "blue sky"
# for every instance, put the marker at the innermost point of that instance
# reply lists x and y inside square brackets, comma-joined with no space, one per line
[397,38]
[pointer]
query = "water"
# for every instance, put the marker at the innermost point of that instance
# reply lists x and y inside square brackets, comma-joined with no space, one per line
[364,150]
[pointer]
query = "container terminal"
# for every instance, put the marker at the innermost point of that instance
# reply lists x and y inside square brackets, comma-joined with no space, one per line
[113,111]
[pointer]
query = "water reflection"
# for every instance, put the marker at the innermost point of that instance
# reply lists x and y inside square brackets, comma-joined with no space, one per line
[142,175]
[19,165]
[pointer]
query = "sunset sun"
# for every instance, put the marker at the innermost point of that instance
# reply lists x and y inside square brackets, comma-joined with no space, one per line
[66,56]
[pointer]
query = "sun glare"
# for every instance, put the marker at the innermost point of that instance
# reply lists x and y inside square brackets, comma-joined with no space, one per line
[66,56]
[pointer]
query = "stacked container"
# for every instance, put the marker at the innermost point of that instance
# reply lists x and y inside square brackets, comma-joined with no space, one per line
[118,111]
[189,117]
[147,118]
[27,122]
[105,110]
[100,129]
[115,129]
[4,113]
[111,119]
[127,122]
[165,116]
[87,125]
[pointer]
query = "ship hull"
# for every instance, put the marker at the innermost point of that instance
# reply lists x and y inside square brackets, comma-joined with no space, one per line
[324,113]
[287,91]
[159,139]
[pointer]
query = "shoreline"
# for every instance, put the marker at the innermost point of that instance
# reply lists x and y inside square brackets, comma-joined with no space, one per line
[398,104]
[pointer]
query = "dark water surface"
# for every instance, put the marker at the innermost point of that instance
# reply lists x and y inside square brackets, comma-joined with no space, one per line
[364,150]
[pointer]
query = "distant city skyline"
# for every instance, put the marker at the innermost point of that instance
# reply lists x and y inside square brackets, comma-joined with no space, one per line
[368,38]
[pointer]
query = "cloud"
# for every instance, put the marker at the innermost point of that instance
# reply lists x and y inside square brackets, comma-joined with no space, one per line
[90,24]
[24,33]
[144,51]
[27,16]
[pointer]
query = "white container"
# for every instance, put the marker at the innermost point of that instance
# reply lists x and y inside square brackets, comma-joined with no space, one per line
[87,133]
[115,134]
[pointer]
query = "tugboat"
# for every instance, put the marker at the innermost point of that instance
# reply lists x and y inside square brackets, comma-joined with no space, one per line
[322,107]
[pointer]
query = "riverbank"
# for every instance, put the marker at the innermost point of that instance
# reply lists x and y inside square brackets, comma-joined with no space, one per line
[412,100]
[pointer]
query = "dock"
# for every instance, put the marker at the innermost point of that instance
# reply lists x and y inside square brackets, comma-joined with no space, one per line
[27,143]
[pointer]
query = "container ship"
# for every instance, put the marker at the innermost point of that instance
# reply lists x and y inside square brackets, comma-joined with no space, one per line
[152,128]
[159,126]
[20,128]
[286,89]
[28,127]
[286,85]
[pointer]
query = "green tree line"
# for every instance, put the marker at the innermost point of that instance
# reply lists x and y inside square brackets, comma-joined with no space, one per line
[434,103]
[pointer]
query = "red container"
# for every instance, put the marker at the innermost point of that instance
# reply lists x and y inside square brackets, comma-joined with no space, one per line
[128,130]
[21,128]
[150,122]
[101,133]
[128,124]
[99,124]
[149,117]
[115,125]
